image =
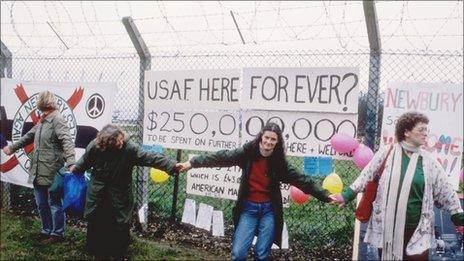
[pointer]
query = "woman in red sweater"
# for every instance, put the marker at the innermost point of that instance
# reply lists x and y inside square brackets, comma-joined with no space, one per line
[258,210]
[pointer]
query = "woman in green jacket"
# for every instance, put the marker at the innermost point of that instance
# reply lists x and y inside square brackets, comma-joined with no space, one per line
[258,208]
[110,201]
[53,150]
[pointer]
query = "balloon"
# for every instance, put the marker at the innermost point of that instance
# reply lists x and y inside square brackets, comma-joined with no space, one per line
[333,183]
[362,156]
[343,143]
[461,177]
[158,176]
[298,196]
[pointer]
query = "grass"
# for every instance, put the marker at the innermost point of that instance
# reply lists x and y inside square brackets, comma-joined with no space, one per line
[19,240]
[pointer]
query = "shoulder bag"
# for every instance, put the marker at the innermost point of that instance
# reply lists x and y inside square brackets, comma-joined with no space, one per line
[364,209]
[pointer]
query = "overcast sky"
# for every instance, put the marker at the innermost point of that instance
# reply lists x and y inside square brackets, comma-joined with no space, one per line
[86,27]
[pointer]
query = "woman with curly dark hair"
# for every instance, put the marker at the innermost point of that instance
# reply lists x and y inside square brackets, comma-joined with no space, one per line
[401,225]
[110,200]
[258,208]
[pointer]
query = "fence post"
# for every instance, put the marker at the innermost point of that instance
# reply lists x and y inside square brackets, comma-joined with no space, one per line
[374,73]
[176,188]
[145,64]
[6,62]
[360,250]
[6,71]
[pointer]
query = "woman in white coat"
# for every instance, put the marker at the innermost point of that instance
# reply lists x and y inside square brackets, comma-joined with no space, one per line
[401,225]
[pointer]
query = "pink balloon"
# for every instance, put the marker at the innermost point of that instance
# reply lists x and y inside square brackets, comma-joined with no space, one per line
[298,196]
[362,156]
[461,177]
[343,143]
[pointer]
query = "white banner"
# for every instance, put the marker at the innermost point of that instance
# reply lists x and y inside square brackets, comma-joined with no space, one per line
[304,133]
[301,89]
[87,107]
[196,130]
[443,104]
[196,89]
[221,183]
[214,182]
[195,109]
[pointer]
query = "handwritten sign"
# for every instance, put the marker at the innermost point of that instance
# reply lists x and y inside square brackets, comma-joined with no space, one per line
[191,129]
[305,133]
[443,104]
[301,89]
[311,165]
[318,166]
[195,109]
[214,182]
[199,89]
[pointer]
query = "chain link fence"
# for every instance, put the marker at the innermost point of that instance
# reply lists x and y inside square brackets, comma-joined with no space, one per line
[315,229]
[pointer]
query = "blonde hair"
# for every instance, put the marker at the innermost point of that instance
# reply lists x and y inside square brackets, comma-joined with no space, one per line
[107,137]
[47,101]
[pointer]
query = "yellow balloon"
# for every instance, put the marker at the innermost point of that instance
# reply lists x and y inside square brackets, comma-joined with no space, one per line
[333,183]
[158,176]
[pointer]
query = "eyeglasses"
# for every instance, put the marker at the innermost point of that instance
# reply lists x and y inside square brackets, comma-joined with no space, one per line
[423,130]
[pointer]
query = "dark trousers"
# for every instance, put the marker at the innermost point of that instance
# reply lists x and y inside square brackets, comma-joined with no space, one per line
[407,236]
[105,237]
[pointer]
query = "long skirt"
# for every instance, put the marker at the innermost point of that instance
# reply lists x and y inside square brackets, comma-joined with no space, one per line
[105,237]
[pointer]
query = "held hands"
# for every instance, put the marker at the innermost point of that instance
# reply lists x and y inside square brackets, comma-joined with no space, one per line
[460,229]
[7,150]
[338,199]
[183,166]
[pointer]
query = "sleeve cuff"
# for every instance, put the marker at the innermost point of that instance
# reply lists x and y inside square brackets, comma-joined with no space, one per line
[69,164]
[12,148]
[192,162]
[348,194]
[458,219]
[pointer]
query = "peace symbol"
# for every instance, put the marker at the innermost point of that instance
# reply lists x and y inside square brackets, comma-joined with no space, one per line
[95,106]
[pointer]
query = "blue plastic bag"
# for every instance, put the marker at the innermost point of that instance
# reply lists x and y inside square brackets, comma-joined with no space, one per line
[57,185]
[75,187]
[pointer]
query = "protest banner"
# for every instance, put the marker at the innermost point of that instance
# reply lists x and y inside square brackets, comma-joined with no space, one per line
[86,107]
[304,133]
[329,89]
[195,109]
[443,105]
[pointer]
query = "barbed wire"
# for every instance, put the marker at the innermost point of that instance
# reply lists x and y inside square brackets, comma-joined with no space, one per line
[157,46]
[14,26]
[218,14]
[302,26]
[276,29]
[456,8]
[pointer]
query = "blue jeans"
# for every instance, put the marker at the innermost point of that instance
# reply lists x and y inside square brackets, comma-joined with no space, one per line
[256,218]
[50,210]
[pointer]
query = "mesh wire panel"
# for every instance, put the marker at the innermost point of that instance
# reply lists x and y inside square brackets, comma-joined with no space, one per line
[313,227]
